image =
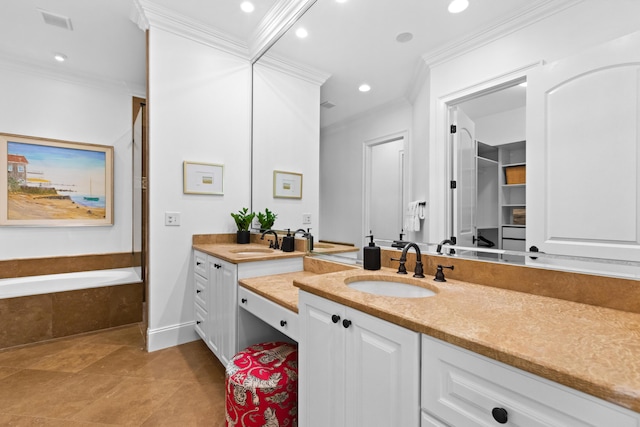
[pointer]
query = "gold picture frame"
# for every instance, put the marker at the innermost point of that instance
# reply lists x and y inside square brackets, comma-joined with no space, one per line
[287,185]
[50,183]
[203,178]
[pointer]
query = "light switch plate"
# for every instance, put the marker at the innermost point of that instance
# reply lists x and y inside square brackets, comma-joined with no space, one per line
[172,218]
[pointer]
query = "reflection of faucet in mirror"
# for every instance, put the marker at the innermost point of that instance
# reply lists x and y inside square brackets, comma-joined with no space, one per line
[446,242]
[307,235]
[418,272]
[273,244]
[399,243]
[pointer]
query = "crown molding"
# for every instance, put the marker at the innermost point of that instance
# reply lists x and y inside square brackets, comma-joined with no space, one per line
[539,10]
[421,73]
[294,69]
[149,15]
[274,24]
[24,66]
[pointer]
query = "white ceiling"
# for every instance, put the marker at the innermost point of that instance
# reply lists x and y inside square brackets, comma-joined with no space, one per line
[353,41]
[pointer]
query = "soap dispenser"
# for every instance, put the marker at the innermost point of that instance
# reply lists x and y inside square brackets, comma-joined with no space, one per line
[371,255]
[288,242]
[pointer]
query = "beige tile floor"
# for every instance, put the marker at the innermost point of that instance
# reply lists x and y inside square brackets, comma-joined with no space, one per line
[106,378]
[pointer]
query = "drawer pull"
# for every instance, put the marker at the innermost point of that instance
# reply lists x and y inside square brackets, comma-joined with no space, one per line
[218,266]
[500,415]
[346,323]
[243,300]
[283,323]
[198,291]
[198,322]
[335,318]
[198,263]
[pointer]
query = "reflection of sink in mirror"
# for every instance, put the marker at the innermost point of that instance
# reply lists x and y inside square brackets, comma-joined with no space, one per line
[251,251]
[322,246]
[391,289]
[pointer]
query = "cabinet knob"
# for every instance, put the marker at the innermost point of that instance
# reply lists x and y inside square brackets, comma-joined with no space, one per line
[500,415]
[198,263]
[283,323]
[243,300]
[335,318]
[346,323]
[198,322]
[198,291]
[217,265]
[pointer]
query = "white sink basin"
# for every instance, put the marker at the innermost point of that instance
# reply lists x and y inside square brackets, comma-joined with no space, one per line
[252,251]
[391,289]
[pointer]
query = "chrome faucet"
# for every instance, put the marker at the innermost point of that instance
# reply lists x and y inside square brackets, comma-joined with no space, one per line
[273,244]
[419,272]
[446,242]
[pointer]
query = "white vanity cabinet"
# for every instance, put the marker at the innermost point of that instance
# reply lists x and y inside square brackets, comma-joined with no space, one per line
[216,298]
[355,369]
[461,388]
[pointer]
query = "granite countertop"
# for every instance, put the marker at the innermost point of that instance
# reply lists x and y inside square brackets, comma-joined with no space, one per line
[333,248]
[588,348]
[232,252]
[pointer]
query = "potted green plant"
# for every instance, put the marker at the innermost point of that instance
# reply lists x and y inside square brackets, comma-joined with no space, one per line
[243,221]
[266,219]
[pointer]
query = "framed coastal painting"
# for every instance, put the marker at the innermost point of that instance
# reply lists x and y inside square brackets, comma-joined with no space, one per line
[202,178]
[49,183]
[287,185]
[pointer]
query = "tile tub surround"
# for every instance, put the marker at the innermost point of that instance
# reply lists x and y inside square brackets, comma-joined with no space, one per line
[592,349]
[35,318]
[610,292]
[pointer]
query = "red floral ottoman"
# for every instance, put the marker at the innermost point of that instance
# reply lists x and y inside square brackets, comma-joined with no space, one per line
[262,386]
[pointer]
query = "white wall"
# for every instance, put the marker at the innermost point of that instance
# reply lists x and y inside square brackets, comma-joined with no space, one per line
[199,110]
[341,168]
[574,29]
[50,106]
[286,123]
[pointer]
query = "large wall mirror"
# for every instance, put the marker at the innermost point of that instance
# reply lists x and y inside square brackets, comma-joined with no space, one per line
[427,68]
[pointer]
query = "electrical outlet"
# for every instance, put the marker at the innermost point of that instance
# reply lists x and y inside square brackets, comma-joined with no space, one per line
[306,218]
[172,218]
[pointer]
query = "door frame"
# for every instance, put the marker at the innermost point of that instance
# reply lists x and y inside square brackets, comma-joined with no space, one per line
[441,151]
[366,175]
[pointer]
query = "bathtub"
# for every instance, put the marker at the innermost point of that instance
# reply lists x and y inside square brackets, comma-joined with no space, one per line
[36,285]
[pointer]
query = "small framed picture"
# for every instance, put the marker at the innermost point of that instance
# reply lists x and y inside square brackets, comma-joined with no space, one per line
[287,185]
[202,178]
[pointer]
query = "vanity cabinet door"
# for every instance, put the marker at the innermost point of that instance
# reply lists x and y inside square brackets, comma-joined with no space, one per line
[321,359]
[355,370]
[223,315]
[382,372]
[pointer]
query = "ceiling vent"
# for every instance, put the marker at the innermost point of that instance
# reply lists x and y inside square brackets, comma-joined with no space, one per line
[56,20]
[327,104]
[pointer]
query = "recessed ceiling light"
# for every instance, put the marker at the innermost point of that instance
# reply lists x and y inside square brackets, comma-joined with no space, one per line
[301,33]
[364,88]
[457,6]
[247,6]
[60,57]
[404,37]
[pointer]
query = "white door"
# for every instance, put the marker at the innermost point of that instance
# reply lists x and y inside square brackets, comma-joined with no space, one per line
[583,139]
[464,173]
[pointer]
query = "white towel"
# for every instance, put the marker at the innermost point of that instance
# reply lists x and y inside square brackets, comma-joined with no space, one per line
[411,220]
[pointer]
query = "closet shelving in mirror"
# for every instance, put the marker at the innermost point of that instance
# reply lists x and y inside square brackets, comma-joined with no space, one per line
[513,196]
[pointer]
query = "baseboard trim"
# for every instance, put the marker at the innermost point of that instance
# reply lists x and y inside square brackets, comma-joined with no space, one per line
[171,336]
